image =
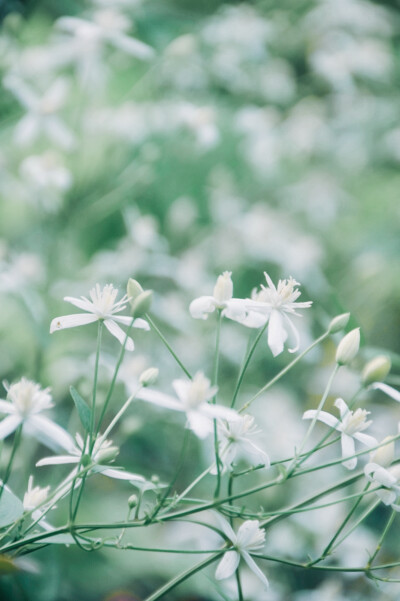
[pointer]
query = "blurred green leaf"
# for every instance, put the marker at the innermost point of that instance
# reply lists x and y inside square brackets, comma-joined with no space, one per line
[11,508]
[83,410]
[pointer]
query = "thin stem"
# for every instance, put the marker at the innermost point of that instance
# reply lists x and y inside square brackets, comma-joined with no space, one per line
[215,382]
[166,343]
[382,538]
[246,363]
[94,393]
[180,497]
[284,371]
[16,441]
[364,515]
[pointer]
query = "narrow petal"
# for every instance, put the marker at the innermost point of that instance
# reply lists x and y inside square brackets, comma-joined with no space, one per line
[387,496]
[348,449]
[225,527]
[200,307]
[118,474]
[57,460]
[201,425]
[81,303]
[366,439]
[380,475]
[389,390]
[8,425]
[228,565]
[72,321]
[276,333]
[220,412]
[343,408]
[295,334]
[255,454]
[132,46]
[141,324]
[324,417]
[159,398]
[181,388]
[6,407]
[50,434]
[119,334]
[255,569]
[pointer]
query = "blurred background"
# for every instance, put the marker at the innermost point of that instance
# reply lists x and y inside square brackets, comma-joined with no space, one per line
[249,137]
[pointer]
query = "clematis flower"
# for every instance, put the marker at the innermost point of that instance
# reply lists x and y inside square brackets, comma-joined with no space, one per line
[101,307]
[276,303]
[249,537]
[350,425]
[233,308]
[25,401]
[103,453]
[193,397]
[234,439]
[389,479]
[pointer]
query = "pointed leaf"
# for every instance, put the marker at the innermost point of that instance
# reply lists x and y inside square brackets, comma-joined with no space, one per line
[83,410]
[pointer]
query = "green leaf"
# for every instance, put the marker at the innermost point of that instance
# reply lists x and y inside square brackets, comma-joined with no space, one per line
[11,507]
[83,410]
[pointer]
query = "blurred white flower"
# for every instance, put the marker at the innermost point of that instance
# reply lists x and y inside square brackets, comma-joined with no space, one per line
[103,453]
[34,496]
[25,401]
[389,390]
[47,178]
[389,479]
[350,425]
[249,537]
[235,442]
[41,116]
[193,399]
[102,307]
[274,303]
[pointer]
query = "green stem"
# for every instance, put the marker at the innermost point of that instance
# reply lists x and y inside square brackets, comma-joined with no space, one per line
[166,343]
[364,515]
[16,441]
[246,363]
[94,393]
[382,538]
[215,382]
[284,371]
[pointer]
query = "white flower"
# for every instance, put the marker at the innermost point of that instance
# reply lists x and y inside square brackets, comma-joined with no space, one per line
[193,397]
[234,439]
[233,308]
[103,453]
[249,537]
[389,390]
[389,479]
[275,303]
[47,178]
[351,426]
[101,307]
[34,496]
[41,117]
[26,400]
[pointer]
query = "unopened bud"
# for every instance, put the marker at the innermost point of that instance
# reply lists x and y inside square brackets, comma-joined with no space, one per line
[385,454]
[133,289]
[223,289]
[338,323]
[142,303]
[155,479]
[107,455]
[348,347]
[86,460]
[376,370]
[149,376]
[133,501]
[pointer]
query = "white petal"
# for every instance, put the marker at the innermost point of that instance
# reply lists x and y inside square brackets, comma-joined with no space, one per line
[225,527]
[137,323]
[246,532]
[348,449]
[220,412]
[6,407]
[132,46]
[255,569]
[276,333]
[386,496]
[159,398]
[255,454]
[50,434]
[26,129]
[366,439]
[200,307]
[181,388]
[119,334]
[343,408]
[8,425]
[295,334]
[324,417]
[81,303]
[201,425]
[389,390]
[72,321]
[228,565]
[57,460]
[141,324]
[380,475]
[118,474]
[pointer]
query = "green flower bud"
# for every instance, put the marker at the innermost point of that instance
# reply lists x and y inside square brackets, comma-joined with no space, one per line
[107,455]
[149,376]
[133,289]
[376,370]
[142,303]
[348,347]
[338,323]
[133,501]
[86,460]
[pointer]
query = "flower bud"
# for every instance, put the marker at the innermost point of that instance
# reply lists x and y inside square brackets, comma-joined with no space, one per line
[376,370]
[223,289]
[133,289]
[155,479]
[142,303]
[338,323]
[133,501]
[348,347]
[385,454]
[86,460]
[107,455]
[149,376]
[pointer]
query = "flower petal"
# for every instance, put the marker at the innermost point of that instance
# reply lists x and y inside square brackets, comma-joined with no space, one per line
[276,333]
[295,334]
[228,565]
[72,321]
[255,569]
[201,425]
[119,334]
[219,412]
[6,407]
[8,425]
[343,408]
[50,434]
[81,303]
[348,449]
[324,417]
[117,474]
[159,398]
[366,439]
[200,307]
[57,460]
[389,390]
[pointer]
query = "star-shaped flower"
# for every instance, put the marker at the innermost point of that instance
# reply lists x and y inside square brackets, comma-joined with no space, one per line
[235,442]
[103,306]
[25,401]
[276,303]
[193,399]
[249,537]
[350,425]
